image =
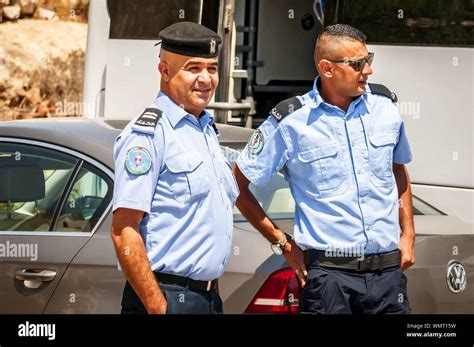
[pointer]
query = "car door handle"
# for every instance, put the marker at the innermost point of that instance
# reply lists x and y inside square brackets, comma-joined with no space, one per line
[35,275]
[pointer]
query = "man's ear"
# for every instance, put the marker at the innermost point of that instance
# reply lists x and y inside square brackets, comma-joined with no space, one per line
[325,68]
[164,69]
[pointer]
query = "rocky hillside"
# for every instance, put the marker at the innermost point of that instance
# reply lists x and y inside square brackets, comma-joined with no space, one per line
[41,62]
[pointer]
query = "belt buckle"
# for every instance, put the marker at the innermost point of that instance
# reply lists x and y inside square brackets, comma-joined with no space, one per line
[365,264]
[209,286]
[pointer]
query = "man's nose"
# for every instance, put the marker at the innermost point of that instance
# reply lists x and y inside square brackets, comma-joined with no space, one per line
[367,70]
[204,76]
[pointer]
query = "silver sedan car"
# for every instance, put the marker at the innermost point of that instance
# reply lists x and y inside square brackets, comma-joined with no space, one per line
[56,255]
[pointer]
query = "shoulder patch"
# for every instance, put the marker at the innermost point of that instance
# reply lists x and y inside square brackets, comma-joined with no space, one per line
[380,89]
[147,121]
[138,161]
[285,107]
[256,142]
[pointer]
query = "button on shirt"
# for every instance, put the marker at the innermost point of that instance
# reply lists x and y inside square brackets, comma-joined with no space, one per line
[339,168]
[187,195]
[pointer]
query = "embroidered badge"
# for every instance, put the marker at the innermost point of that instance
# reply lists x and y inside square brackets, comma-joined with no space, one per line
[138,161]
[256,142]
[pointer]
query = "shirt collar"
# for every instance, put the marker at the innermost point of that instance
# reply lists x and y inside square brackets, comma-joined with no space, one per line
[206,119]
[175,113]
[169,107]
[318,99]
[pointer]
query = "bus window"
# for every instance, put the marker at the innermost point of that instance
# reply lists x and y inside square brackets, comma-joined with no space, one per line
[144,19]
[407,22]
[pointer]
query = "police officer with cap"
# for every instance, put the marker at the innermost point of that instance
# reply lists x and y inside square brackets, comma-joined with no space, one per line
[174,190]
[342,147]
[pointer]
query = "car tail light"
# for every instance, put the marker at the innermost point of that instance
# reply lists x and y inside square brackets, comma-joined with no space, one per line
[279,294]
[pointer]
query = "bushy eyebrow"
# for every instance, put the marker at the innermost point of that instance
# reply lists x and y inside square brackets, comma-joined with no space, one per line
[196,62]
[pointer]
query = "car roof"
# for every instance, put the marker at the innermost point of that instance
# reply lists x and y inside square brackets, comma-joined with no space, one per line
[95,137]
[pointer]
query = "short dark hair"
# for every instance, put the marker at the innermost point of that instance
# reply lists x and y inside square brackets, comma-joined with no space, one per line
[343,31]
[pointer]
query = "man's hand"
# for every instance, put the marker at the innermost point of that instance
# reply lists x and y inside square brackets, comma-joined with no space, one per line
[407,248]
[295,257]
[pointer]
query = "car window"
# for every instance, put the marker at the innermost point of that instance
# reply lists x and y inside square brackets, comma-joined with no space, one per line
[86,201]
[275,198]
[278,203]
[32,182]
[421,208]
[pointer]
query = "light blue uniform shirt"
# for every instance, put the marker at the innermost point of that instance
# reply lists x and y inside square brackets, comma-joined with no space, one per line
[187,195]
[339,168]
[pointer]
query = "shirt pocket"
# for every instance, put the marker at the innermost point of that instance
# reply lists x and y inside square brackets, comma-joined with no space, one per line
[324,167]
[381,157]
[188,179]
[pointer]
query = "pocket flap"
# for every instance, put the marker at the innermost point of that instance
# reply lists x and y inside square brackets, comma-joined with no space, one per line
[184,162]
[383,139]
[314,153]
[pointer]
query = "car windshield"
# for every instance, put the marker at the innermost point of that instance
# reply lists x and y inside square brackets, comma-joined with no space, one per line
[278,203]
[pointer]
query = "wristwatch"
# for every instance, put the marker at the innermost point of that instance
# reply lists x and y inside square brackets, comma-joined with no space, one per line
[279,247]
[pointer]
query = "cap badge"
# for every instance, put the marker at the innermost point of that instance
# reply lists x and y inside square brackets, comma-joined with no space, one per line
[212,46]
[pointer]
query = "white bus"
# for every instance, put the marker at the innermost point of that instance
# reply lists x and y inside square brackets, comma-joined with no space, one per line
[423,52]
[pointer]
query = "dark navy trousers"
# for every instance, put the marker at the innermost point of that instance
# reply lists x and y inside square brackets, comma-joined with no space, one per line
[181,300]
[337,291]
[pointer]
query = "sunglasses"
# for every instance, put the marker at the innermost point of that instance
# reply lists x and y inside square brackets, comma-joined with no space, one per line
[356,64]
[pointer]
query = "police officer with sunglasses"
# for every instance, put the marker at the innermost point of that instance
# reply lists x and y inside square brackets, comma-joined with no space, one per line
[343,149]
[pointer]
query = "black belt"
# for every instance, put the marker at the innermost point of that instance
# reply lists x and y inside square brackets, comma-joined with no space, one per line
[371,262]
[186,282]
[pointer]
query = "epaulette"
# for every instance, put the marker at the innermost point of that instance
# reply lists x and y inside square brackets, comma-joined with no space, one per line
[147,121]
[285,108]
[380,89]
